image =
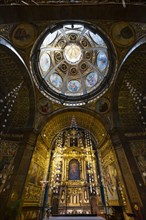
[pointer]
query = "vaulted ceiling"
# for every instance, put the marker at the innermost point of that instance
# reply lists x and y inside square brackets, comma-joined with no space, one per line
[16,91]
[126,96]
[132,92]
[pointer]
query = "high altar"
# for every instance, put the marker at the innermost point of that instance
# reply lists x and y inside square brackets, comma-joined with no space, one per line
[75,180]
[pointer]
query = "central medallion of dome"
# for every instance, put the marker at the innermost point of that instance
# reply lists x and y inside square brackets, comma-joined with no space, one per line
[72,54]
[72,63]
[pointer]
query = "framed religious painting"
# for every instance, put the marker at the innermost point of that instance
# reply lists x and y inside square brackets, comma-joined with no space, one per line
[74,170]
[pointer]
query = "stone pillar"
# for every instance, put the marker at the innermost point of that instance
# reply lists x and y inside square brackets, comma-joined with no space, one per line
[27,148]
[127,187]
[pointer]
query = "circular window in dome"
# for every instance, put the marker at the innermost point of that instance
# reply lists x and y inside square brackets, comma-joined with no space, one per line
[73,62]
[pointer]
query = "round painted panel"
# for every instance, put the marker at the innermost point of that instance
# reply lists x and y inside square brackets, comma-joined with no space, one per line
[74,86]
[102,61]
[24,35]
[91,79]
[56,80]
[45,62]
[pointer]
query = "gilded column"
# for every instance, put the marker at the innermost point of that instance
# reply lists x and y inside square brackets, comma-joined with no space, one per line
[84,169]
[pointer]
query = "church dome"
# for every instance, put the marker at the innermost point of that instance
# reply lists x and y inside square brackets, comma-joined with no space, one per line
[72,63]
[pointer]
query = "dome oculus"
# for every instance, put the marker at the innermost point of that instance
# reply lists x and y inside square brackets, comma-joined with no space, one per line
[73,60]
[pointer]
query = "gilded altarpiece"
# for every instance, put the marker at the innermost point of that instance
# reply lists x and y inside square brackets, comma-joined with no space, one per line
[74,194]
[74,175]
